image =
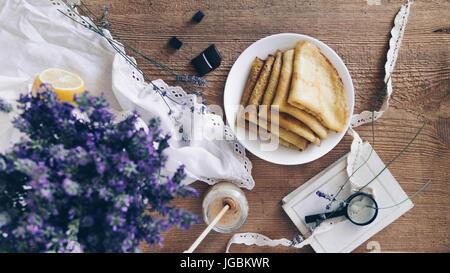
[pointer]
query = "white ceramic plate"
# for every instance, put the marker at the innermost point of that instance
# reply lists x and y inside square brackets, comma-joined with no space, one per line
[235,86]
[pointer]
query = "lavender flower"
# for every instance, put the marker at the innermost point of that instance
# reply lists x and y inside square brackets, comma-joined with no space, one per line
[85,185]
[5,107]
[106,24]
[192,79]
[329,197]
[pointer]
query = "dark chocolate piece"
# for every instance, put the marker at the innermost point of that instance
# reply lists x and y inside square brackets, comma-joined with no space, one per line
[198,16]
[207,61]
[175,42]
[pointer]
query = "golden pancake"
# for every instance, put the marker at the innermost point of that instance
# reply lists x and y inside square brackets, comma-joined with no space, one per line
[266,135]
[257,65]
[273,81]
[289,123]
[258,90]
[317,88]
[249,112]
[281,95]
[285,135]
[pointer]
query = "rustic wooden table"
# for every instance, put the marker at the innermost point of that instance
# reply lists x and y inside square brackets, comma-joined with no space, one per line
[359,32]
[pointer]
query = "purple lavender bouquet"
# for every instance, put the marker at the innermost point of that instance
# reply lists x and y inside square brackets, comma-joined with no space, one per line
[89,185]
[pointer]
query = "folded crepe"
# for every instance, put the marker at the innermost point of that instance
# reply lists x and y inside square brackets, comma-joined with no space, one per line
[262,70]
[261,83]
[286,136]
[289,123]
[317,88]
[281,95]
[283,120]
[258,91]
[263,133]
[273,81]
[255,70]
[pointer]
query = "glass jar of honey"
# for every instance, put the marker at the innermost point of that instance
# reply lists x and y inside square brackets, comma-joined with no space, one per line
[220,195]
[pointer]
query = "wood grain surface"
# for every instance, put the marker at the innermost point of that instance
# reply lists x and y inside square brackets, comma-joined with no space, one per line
[358,30]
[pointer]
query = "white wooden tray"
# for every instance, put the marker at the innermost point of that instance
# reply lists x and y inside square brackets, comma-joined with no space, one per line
[345,236]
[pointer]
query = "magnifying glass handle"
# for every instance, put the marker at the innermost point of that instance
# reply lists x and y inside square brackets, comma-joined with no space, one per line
[323,216]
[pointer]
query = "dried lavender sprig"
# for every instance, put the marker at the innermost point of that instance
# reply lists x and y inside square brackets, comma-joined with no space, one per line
[124,43]
[328,206]
[329,197]
[90,11]
[99,31]
[198,81]
[5,107]
[93,27]
[373,137]
[334,198]
[191,79]
[344,202]
[106,9]
[127,45]
[397,156]
[409,197]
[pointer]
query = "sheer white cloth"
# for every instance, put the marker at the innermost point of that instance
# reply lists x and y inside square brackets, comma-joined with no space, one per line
[35,36]
[355,158]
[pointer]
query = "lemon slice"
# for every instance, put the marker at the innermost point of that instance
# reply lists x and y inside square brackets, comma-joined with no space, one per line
[65,84]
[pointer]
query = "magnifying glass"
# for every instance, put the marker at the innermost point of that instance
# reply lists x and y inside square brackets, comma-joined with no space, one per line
[360,208]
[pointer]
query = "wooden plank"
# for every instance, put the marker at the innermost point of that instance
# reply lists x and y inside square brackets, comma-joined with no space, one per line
[359,33]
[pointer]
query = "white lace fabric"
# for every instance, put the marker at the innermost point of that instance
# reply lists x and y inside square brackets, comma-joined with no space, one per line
[200,139]
[39,36]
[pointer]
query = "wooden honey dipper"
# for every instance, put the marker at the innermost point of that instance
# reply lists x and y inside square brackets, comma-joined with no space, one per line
[228,203]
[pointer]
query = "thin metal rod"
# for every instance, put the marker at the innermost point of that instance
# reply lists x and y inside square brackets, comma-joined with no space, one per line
[207,229]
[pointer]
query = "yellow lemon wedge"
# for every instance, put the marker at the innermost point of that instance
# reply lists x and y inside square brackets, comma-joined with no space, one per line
[65,84]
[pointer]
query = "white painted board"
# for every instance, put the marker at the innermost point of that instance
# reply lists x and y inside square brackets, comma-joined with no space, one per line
[345,236]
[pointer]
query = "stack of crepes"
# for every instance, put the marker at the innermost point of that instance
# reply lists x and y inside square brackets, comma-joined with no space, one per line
[304,89]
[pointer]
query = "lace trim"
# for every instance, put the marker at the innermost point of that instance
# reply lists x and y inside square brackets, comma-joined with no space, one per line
[257,239]
[299,241]
[394,45]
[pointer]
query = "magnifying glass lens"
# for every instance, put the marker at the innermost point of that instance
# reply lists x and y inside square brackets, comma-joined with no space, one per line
[361,209]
